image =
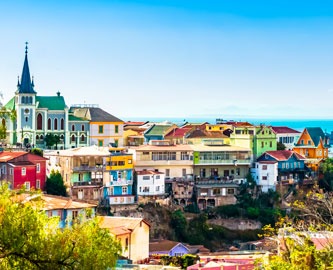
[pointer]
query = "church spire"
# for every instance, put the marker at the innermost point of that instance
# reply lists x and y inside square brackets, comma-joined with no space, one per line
[26,86]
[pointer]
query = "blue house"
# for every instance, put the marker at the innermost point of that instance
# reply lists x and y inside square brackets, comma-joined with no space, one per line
[290,165]
[167,247]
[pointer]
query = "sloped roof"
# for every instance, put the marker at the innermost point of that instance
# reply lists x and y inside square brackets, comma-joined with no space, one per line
[10,104]
[199,133]
[6,156]
[95,114]
[145,172]
[158,130]
[316,133]
[163,245]
[281,130]
[178,132]
[72,117]
[53,103]
[239,124]
[281,155]
[26,85]
[120,225]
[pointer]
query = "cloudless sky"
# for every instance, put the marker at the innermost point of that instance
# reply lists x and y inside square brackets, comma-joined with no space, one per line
[175,58]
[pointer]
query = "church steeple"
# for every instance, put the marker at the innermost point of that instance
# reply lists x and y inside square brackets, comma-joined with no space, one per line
[26,86]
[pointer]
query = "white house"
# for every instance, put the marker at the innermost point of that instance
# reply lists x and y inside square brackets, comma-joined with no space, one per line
[150,183]
[265,173]
[287,136]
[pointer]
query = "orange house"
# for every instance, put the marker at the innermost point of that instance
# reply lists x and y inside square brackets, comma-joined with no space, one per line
[313,145]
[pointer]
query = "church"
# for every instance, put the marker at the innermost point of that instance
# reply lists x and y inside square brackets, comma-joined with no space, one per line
[30,120]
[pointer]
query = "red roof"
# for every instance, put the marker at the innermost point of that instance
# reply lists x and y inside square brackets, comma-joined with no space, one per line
[145,172]
[178,132]
[239,124]
[281,155]
[284,130]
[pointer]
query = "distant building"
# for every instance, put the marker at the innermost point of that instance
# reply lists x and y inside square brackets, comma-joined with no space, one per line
[167,247]
[286,136]
[150,185]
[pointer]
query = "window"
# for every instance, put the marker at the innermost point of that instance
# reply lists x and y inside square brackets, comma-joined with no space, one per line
[167,172]
[73,138]
[11,171]
[49,213]
[82,127]
[184,156]
[264,167]
[110,191]
[37,184]
[184,172]
[27,185]
[309,142]
[129,161]
[73,127]
[237,171]
[49,124]
[116,142]
[302,141]
[82,138]
[216,191]
[100,129]
[55,124]
[100,142]
[126,243]
[39,121]
[75,214]
[23,171]
[38,167]
[230,191]
[80,194]
[264,178]
[124,190]
[270,144]
[116,129]
[158,188]
[146,177]
[59,214]
[262,144]
[62,124]
[95,194]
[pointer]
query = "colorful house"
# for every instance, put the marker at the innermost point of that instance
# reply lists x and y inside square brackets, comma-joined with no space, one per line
[286,136]
[83,170]
[150,184]
[279,167]
[118,188]
[158,131]
[264,140]
[313,145]
[105,129]
[23,169]
[242,134]
[132,233]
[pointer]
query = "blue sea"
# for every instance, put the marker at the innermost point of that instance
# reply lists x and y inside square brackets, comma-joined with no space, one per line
[298,124]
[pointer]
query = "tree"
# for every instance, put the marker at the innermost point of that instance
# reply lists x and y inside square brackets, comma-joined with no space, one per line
[29,239]
[55,184]
[51,140]
[37,151]
[280,146]
[326,170]
[179,224]
[313,215]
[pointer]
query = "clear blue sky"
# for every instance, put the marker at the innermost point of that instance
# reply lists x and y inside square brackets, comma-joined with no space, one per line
[175,58]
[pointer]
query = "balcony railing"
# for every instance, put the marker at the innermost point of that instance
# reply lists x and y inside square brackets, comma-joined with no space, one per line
[88,183]
[87,168]
[224,161]
[121,182]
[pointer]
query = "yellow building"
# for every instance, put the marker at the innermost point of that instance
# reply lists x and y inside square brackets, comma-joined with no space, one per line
[132,233]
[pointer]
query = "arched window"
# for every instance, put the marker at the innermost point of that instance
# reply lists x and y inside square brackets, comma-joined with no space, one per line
[37,137]
[62,137]
[73,127]
[62,124]
[41,137]
[82,138]
[23,100]
[73,138]
[49,123]
[82,127]
[55,124]
[30,100]
[39,121]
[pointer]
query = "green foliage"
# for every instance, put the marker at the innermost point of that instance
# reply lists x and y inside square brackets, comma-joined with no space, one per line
[37,151]
[55,184]
[180,261]
[31,240]
[326,169]
[192,208]
[280,146]
[227,211]
[179,224]
[51,140]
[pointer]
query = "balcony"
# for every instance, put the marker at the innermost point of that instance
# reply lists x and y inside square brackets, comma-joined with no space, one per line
[87,168]
[120,182]
[88,183]
[233,162]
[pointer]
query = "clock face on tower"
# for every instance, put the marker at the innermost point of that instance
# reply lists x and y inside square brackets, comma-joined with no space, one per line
[26,111]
